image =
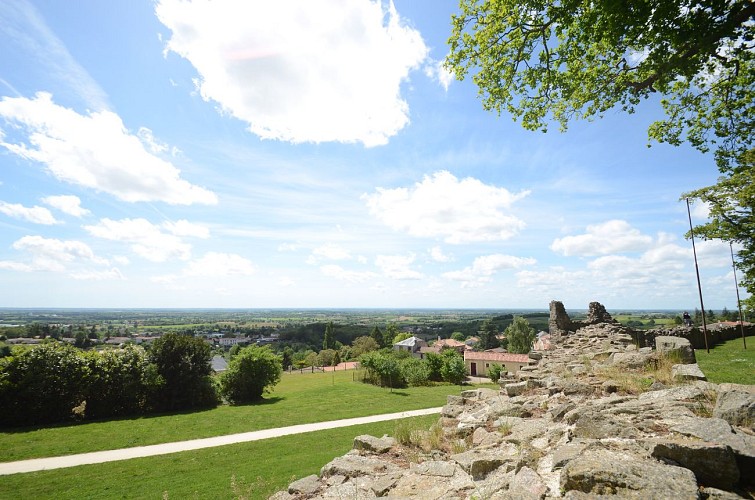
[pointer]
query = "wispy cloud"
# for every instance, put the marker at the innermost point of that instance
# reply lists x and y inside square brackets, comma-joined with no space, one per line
[144,238]
[35,214]
[26,28]
[484,267]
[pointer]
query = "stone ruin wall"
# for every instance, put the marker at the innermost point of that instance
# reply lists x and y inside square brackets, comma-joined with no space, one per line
[560,324]
[559,428]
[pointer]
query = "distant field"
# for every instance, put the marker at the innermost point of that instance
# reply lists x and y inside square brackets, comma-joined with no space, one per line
[647,320]
[729,362]
[299,398]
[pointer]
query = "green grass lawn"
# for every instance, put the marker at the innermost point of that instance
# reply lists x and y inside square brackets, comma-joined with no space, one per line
[729,362]
[247,470]
[298,399]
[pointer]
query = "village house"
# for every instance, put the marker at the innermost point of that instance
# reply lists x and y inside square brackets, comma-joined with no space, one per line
[478,363]
[411,345]
[232,341]
[543,342]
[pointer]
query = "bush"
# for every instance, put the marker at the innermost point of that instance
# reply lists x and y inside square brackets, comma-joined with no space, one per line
[383,369]
[253,372]
[182,365]
[118,382]
[42,384]
[434,364]
[415,371]
[494,372]
[453,370]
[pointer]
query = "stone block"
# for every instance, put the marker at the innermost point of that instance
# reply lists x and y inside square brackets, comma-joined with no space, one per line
[678,346]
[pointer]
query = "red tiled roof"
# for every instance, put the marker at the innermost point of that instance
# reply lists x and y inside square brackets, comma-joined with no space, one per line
[449,343]
[497,356]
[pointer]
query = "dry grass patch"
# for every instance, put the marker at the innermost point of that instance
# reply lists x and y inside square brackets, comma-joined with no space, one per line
[637,381]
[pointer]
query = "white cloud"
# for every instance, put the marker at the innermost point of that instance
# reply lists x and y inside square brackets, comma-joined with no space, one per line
[460,211]
[35,214]
[68,204]
[108,274]
[185,228]
[217,264]
[397,267]
[658,273]
[437,255]
[146,239]
[300,71]
[211,265]
[329,251]
[95,151]
[602,239]
[288,247]
[700,210]
[484,267]
[286,282]
[438,72]
[50,254]
[341,274]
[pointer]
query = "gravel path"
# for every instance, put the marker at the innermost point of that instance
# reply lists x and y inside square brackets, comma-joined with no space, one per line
[97,457]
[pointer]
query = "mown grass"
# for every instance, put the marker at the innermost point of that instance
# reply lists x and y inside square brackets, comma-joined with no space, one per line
[247,470]
[729,362]
[298,399]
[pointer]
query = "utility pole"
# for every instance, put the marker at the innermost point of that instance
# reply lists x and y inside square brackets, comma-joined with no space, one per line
[739,304]
[697,270]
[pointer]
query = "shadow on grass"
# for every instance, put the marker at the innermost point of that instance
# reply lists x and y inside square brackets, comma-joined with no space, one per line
[262,402]
[132,418]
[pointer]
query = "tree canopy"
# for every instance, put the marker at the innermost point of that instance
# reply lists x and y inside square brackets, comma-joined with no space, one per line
[564,60]
[731,201]
[520,336]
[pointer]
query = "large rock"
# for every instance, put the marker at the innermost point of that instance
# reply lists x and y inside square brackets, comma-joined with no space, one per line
[736,404]
[605,472]
[432,480]
[527,485]
[631,360]
[713,464]
[373,444]
[687,372]
[353,465]
[305,486]
[480,462]
[676,346]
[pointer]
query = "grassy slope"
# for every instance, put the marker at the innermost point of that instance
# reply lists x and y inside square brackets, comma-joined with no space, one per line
[299,398]
[729,362]
[258,469]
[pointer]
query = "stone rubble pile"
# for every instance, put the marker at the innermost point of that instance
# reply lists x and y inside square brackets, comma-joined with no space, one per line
[567,427]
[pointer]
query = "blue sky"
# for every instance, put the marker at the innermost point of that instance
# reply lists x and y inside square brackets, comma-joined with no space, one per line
[315,154]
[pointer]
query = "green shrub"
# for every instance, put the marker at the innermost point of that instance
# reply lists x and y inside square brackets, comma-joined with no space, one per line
[43,384]
[494,372]
[415,371]
[254,371]
[182,365]
[383,369]
[453,370]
